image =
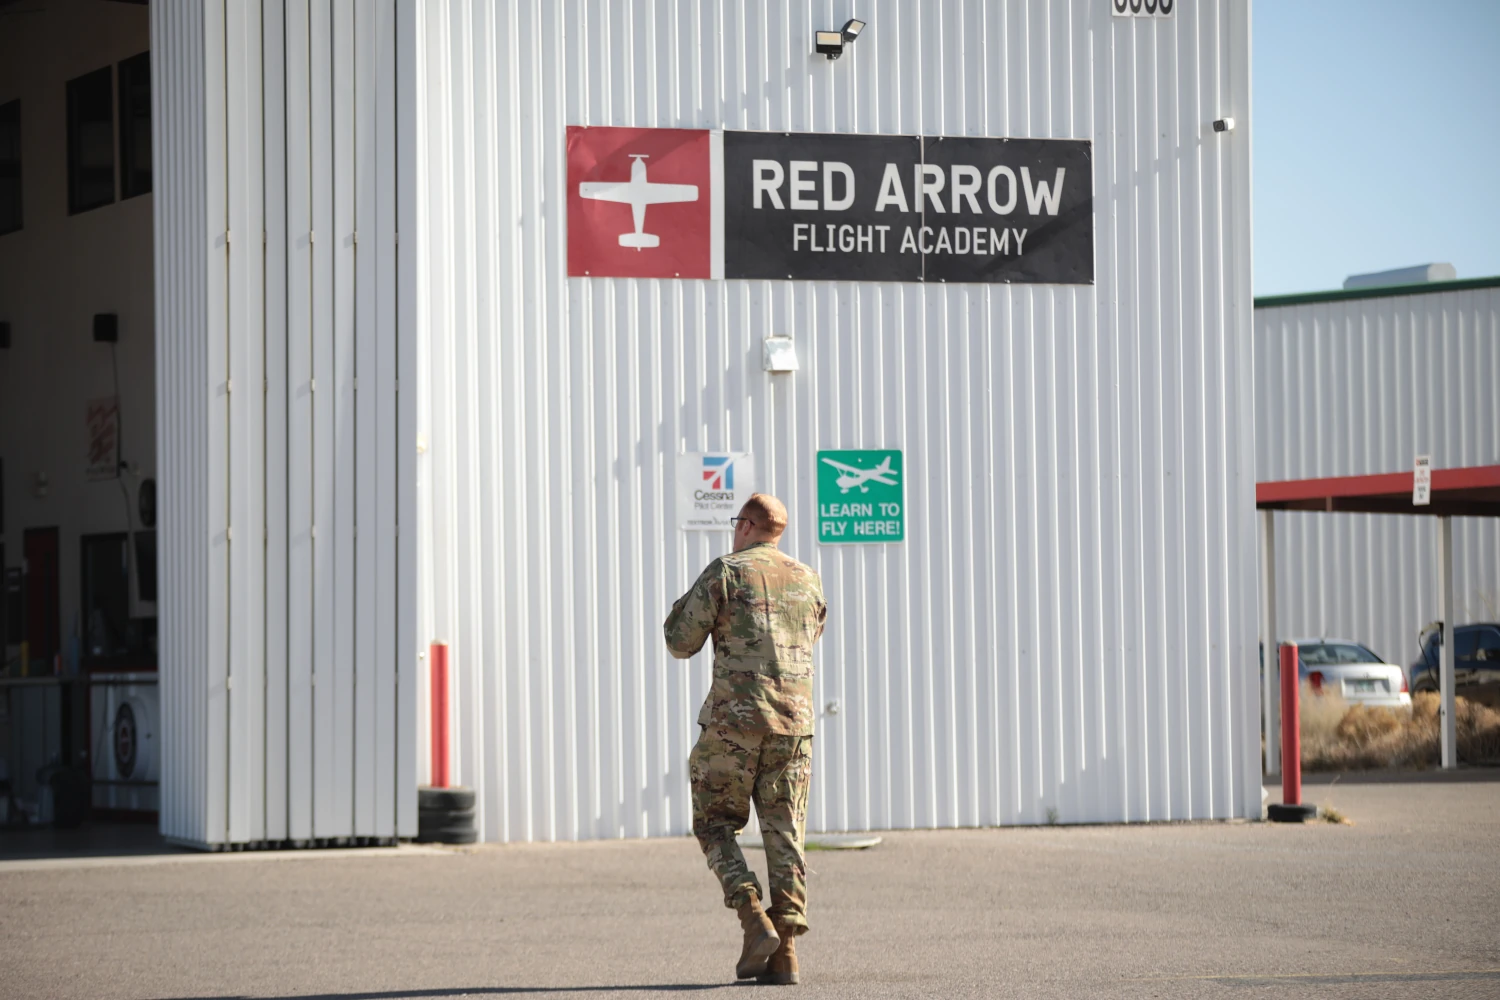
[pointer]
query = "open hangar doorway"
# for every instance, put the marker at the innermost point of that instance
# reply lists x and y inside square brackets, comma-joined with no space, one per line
[78,703]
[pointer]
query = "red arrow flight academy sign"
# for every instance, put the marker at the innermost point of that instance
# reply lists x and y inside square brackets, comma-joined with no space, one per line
[685,203]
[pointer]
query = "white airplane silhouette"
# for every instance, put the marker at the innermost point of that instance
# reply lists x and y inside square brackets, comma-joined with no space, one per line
[638,193]
[850,477]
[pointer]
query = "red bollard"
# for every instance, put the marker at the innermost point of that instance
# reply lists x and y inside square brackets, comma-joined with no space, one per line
[438,665]
[1290,809]
[1291,729]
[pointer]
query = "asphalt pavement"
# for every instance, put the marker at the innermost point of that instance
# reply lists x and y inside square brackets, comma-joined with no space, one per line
[1404,903]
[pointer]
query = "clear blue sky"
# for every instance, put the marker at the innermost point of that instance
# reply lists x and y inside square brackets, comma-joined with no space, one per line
[1377,138]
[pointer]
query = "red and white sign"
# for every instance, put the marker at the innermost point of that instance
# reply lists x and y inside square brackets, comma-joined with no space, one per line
[1421,481]
[642,203]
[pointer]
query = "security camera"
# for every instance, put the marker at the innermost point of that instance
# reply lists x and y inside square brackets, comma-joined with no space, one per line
[1224,125]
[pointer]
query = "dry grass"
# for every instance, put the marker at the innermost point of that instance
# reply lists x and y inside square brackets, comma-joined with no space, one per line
[1337,736]
[1331,814]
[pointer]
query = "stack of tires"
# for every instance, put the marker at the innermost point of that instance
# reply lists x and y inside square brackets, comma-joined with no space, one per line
[446,816]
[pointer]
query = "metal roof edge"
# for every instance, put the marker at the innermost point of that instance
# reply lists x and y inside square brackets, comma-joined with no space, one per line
[1376,292]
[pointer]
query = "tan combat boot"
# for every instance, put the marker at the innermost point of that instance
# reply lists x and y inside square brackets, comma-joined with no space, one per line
[781,970]
[760,939]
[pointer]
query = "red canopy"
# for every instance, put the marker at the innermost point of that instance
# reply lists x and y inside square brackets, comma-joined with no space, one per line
[1470,492]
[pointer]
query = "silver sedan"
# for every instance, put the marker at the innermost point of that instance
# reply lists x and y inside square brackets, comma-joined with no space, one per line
[1352,671]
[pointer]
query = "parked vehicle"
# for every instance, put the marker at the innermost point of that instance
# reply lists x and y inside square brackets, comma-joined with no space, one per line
[1476,662]
[1352,671]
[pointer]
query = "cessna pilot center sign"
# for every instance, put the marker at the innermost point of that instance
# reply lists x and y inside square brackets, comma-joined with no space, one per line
[685,203]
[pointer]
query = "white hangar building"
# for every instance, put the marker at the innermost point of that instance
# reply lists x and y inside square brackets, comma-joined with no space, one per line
[444,314]
[1359,382]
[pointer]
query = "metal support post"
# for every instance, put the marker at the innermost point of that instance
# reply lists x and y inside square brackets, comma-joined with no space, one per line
[1445,668]
[441,746]
[1291,808]
[1291,737]
[1270,687]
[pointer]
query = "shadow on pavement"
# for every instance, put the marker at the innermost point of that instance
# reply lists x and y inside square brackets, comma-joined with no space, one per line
[1464,775]
[91,840]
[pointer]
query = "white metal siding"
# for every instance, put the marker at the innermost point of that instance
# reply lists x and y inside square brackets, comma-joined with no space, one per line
[180,163]
[1070,625]
[1363,386]
[287,644]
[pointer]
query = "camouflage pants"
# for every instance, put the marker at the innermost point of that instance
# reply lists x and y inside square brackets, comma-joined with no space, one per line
[729,769]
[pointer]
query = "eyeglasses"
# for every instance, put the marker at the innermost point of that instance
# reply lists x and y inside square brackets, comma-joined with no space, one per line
[735,521]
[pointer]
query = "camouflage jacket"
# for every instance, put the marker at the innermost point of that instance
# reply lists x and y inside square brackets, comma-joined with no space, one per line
[764,610]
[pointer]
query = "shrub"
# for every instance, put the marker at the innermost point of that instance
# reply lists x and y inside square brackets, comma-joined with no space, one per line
[1337,736]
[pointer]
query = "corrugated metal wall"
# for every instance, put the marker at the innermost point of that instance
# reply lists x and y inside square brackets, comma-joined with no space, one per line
[1069,629]
[185,355]
[281,337]
[1362,386]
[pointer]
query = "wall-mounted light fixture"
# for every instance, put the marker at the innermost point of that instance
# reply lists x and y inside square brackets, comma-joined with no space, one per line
[831,43]
[779,354]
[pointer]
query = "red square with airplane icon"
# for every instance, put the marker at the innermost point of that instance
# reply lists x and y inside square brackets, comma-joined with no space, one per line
[639,202]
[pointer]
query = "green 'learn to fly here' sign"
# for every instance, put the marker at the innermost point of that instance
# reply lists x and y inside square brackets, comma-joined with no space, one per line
[860,496]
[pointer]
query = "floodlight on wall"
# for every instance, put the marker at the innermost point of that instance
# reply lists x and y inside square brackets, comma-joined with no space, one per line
[831,43]
[779,355]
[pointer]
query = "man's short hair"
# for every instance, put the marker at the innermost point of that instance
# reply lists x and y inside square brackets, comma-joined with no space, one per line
[768,513]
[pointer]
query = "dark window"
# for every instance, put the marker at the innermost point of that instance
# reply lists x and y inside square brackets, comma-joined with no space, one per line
[1489,645]
[135,126]
[145,565]
[1328,654]
[91,141]
[10,167]
[1465,644]
[106,594]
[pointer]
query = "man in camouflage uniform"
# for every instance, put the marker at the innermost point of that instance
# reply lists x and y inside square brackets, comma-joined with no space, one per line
[764,611]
